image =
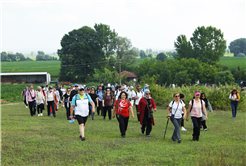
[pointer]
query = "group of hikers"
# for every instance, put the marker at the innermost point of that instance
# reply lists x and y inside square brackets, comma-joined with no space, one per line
[80,102]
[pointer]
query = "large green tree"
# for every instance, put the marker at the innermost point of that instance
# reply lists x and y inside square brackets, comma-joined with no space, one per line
[80,54]
[142,54]
[207,45]
[238,46]
[4,57]
[161,56]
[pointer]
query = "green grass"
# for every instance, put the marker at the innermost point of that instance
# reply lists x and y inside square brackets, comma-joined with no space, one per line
[53,67]
[229,55]
[53,141]
[233,62]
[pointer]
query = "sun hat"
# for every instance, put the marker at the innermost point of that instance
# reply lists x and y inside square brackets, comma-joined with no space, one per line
[146,85]
[197,93]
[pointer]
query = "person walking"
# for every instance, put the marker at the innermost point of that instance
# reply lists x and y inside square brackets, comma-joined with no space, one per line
[81,107]
[100,93]
[181,96]
[208,107]
[24,96]
[131,94]
[50,101]
[94,98]
[195,110]
[107,103]
[137,97]
[117,93]
[146,87]
[67,103]
[122,107]
[73,93]
[56,91]
[234,97]
[40,101]
[145,106]
[177,107]
[31,100]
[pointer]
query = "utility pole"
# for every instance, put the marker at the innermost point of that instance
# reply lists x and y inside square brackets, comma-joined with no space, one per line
[114,70]
[120,69]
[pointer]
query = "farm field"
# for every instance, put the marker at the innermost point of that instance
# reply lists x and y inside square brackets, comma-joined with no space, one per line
[46,140]
[233,62]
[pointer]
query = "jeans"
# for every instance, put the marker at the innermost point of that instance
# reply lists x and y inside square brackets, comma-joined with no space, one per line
[234,108]
[176,132]
[92,113]
[32,107]
[52,104]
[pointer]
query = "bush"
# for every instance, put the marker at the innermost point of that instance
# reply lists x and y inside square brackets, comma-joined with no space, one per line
[241,55]
[224,77]
[218,97]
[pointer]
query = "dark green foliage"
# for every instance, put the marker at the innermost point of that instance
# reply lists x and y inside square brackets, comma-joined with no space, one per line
[224,77]
[42,57]
[150,55]
[142,54]
[161,56]
[182,78]
[238,46]
[4,57]
[207,45]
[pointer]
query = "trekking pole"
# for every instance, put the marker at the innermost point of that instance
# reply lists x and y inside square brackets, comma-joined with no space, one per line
[166,127]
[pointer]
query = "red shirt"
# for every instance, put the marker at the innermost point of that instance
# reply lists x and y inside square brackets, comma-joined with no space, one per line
[123,108]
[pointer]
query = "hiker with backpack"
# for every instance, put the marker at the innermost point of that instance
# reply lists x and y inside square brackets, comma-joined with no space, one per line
[117,93]
[100,93]
[146,87]
[208,107]
[122,107]
[145,106]
[195,110]
[31,100]
[107,103]
[234,97]
[181,96]
[51,101]
[66,102]
[94,98]
[177,107]
[80,105]
[137,97]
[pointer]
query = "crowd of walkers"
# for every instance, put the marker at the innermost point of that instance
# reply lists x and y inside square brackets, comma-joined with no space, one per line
[118,101]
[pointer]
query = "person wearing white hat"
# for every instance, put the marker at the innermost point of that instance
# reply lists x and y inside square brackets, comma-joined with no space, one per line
[131,93]
[146,87]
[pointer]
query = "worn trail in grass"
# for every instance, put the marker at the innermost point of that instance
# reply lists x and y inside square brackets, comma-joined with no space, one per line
[53,141]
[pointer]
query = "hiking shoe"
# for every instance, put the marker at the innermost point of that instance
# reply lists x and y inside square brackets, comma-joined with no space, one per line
[179,141]
[183,129]
[205,129]
[41,114]
[148,135]
[51,114]
[123,136]
[26,107]
[38,114]
[173,139]
[54,115]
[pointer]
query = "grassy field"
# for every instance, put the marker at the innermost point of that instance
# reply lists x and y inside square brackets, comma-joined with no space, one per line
[53,141]
[233,62]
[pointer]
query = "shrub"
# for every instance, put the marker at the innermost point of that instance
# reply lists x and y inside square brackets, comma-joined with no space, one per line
[241,55]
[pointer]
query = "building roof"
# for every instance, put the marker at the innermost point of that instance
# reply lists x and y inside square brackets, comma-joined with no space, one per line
[24,73]
[129,74]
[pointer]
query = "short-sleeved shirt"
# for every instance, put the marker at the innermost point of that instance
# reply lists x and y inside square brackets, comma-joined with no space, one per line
[100,94]
[78,98]
[138,94]
[117,94]
[179,107]
[66,96]
[196,109]
[107,100]
[31,94]
[122,108]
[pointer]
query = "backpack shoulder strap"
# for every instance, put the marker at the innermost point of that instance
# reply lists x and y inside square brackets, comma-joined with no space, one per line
[172,102]
[117,103]
[192,102]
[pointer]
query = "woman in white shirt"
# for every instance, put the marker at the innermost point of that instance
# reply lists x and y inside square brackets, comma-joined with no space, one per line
[234,97]
[131,93]
[177,107]
[40,101]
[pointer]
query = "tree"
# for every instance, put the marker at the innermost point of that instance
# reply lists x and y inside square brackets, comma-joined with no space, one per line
[80,54]
[207,45]
[20,56]
[136,51]
[161,56]
[106,38]
[183,48]
[241,55]
[12,56]
[150,55]
[224,77]
[182,78]
[238,46]
[142,54]
[4,57]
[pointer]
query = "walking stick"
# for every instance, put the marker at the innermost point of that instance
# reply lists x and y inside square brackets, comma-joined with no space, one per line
[166,128]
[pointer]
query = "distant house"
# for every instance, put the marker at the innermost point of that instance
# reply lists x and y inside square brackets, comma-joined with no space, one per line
[130,76]
[25,77]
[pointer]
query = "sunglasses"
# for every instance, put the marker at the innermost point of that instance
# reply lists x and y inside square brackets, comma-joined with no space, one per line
[147,93]
[176,96]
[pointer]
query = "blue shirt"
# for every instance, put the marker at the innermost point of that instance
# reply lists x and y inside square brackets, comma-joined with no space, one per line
[100,94]
[143,90]
[76,97]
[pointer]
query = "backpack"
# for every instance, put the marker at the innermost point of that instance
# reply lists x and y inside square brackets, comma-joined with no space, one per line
[137,93]
[119,102]
[174,101]
[31,94]
[192,102]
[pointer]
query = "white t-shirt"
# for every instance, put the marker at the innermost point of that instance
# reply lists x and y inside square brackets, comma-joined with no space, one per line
[179,107]
[140,95]
[63,91]
[234,96]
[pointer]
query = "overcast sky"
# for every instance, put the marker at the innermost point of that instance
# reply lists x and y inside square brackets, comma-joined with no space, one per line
[39,25]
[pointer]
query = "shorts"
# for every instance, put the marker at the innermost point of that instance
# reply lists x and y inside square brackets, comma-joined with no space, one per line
[81,119]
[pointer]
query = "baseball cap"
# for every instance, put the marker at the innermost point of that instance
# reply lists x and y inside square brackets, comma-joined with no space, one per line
[146,85]
[197,93]
[87,88]
[81,88]
[76,85]
[50,87]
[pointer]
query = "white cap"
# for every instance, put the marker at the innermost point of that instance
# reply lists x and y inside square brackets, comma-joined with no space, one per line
[146,85]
